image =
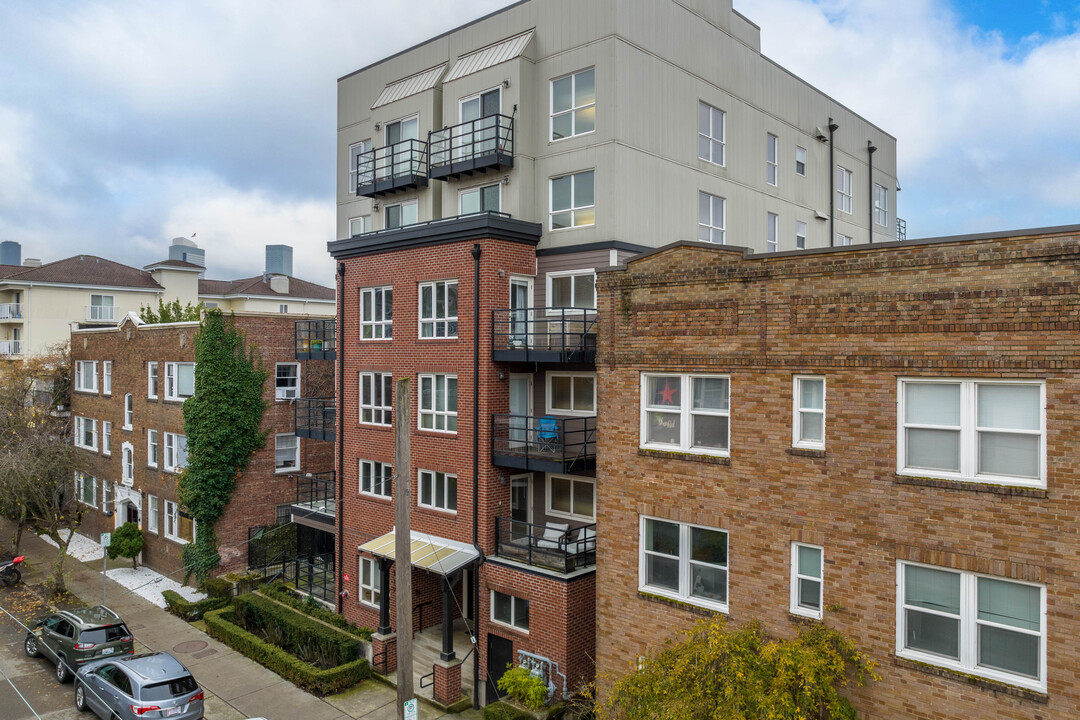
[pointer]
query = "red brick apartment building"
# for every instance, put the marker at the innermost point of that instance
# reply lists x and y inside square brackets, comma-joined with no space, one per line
[130,382]
[881,438]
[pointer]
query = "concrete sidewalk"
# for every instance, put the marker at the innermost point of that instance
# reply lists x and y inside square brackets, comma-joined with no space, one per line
[236,686]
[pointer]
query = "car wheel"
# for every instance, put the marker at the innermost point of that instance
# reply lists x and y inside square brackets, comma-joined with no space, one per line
[80,698]
[30,646]
[62,672]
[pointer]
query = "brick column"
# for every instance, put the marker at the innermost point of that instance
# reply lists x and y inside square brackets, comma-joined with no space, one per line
[447,689]
[380,643]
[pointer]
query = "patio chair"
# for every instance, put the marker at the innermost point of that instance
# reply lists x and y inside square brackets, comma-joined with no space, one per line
[554,537]
[547,434]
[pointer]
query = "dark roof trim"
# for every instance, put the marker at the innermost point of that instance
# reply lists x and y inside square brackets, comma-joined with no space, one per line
[602,245]
[437,232]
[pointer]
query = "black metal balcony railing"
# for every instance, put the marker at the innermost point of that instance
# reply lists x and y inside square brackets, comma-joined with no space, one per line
[316,339]
[901,229]
[543,334]
[546,444]
[384,170]
[474,145]
[316,498]
[533,544]
[315,418]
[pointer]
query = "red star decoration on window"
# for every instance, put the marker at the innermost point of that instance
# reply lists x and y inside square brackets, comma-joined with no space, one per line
[667,395]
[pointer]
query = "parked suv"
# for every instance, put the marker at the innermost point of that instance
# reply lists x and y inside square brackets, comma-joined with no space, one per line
[149,685]
[72,637]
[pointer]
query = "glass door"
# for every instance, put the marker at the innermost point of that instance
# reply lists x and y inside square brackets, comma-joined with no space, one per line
[520,298]
[520,507]
[479,136]
[520,409]
[406,158]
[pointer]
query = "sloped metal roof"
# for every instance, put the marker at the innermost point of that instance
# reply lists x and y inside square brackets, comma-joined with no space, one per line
[421,81]
[483,58]
[429,552]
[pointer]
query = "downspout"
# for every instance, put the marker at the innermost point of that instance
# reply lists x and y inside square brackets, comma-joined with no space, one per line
[832,184]
[340,347]
[870,150]
[476,469]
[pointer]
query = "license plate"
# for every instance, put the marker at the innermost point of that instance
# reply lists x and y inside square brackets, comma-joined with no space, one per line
[107,651]
[173,711]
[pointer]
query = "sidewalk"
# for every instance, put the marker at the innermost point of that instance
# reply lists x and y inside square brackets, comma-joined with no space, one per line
[236,687]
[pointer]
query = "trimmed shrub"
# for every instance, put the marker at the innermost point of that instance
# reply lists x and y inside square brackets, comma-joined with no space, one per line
[191,611]
[294,632]
[280,592]
[528,689]
[502,711]
[221,626]
[217,588]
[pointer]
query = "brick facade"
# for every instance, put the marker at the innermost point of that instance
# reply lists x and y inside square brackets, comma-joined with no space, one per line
[1001,308]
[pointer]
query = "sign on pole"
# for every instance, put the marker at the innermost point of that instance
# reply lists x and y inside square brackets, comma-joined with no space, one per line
[106,539]
[410,709]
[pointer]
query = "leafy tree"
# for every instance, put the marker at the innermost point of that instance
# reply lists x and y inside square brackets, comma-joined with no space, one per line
[168,312]
[126,542]
[714,673]
[221,421]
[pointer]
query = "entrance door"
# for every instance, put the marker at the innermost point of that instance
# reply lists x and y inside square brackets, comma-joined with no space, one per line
[500,653]
[520,409]
[479,136]
[520,505]
[406,158]
[132,514]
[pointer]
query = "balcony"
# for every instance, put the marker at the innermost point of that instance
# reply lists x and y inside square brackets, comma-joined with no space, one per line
[385,170]
[546,444]
[315,504]
[545,546]
[901,229]
[479,145]
[11,312]
[543,334]
[314,418]
[316,339]
[101,313]
[11,347]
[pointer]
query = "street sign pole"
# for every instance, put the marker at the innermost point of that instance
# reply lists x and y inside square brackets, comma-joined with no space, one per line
[411,709]
[106,540]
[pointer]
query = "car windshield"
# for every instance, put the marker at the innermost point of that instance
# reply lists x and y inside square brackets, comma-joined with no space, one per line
[169,690]
[109,634]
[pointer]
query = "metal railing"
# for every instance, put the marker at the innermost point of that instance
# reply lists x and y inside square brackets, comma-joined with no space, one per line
[100,313]
[316,339]
[527,543]
[543,334]
[473,144]
[311,575]
[432,223]
[901,229]
[392,167]
[11,347]
[523,441]
[314,418]
[316,492]
[11,311]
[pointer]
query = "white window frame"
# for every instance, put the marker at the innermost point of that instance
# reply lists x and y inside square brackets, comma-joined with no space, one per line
[106,495]
[365,146]
[106,437]
[428,477]
[710,135]
[80,429]
[129,411]
[574,109]
[152,510]
[403,204]
[573,412]
[386,410]
[551,276]
[800,235]
[800,161]
[571,515]
[127,464]
[152,379]
[433,412]
[80,487]
[514,599]
[685,591]
[152,448]
[172,519]
[881,205]
[386,479]
[433,321]
[686,414]
[968,429]
[772,232]
[479,189]
[365,224]
[81,374]
[843,240]
[797,411]
[173,443]
[172,390]
[797,608]
[712,228]
[286,393]
[369,594]
[969,625]
[295,465]
[844,191]
[572,209]
[106,377]
[772,159]
[382,327]
[283,308]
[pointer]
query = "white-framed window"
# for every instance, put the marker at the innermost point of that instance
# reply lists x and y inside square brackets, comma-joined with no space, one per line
[127,451]
[800,235]
[86,376]
[86,488]
[152,380]
[129,411]
[152,513]
[510,610]
[710,141]
[991,431]
[438,490]
[106,377]
[772,232]
[573,200]
[807,579]
[571,289]
[685,562]
[359,225]
[370,581]
[571,393]
[573,104]
[286,452]
[686,412]
[571,497]
[772,154]
[286,381]
[711,218]
[480,199]
[355,151]
[881,205]
[438,309]
[85,433]
[808,413]
[843,240]
[376,398]
[400,214]
[106,495]
[179,526]
[972,623]
[152,448]
[438,403]
[377,313]
[283,308]
[800,160]
[210,305]
[843,189]
[179,380]
[106,437]
[376,478]
[175,452]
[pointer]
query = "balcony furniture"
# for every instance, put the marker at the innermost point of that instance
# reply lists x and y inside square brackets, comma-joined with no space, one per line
[552,546]
[544,443]
[554,536]
[547,434]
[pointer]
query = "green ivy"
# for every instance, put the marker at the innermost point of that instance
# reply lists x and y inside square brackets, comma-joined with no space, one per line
[169,312]
[221,421]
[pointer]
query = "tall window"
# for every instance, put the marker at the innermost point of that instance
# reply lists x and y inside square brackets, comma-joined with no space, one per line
[573,104]
[438,309]
[376,398]
[806,579]
[376,313]
[573,200]
[710,134]
[881,205]
[86,376]
[772,152]
[986,431]
[510,610]
[711,218]
[571,497]
[800,235]
[808,421]
[356,169]
[772,229]
[370,582]
[976,624]
[843,189]
[400,214]
[438,490]
[571,393]
[359,225]
[800,160]
[85,433]
[106,377]
[175,452]
[106,437]
[685,562]
[152,448]
[152,380]
[129,411]
[128,469]
[152,513]
[86,488]
[375,478]
[575,289]
[106,495]
[287,381]
[482,199]
[438,403]
[286,452]
[685,412]
[179,526]
[101,308]
[179,380]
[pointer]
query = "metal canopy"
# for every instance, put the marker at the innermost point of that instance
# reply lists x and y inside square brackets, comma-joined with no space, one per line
[489,56]
[421,81]
[429,552]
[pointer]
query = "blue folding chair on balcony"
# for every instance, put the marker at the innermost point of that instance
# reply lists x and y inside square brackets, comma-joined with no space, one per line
[547,434]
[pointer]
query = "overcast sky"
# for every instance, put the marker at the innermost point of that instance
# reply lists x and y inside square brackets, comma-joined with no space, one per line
[124,123]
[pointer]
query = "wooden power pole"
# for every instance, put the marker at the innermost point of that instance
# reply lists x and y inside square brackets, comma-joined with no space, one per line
[403,546]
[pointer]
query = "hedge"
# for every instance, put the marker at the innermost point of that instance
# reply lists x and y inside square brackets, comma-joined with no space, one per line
[298,634]
[221,626]
[278,591]
[502,711]
[191,611]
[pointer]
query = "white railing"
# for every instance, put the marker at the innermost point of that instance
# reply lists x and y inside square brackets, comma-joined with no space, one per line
[10,347]
[10,311]
[100,313]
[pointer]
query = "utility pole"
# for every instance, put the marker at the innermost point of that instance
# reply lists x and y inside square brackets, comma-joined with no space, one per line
[402,546]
